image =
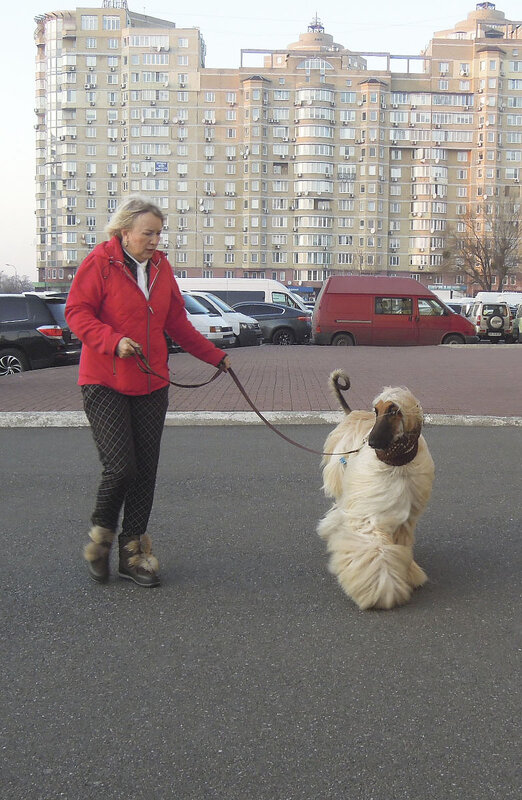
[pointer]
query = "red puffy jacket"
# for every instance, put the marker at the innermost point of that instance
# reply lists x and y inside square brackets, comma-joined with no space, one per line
[105,304]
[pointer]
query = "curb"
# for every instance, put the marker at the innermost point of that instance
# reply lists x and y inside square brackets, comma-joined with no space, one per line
[77,419]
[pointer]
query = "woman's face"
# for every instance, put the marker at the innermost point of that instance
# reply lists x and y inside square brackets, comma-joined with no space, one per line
[142,239]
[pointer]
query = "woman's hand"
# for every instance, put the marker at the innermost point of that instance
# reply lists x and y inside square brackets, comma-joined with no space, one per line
[224,365]
[127,347]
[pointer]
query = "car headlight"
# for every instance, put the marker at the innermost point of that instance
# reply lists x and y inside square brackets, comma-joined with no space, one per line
[215,329]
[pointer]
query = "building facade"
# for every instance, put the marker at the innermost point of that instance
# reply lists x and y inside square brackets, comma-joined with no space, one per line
[302,163]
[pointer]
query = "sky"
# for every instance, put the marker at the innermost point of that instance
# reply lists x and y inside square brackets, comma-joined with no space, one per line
[403,27]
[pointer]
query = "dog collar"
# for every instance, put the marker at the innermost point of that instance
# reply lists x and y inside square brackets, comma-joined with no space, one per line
[399,453]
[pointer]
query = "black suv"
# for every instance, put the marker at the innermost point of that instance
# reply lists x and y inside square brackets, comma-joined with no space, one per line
[34,333]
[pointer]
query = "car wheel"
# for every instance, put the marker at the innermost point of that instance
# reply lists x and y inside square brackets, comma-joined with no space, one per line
[453,338]
[283,336]
[12,361]
[343,340]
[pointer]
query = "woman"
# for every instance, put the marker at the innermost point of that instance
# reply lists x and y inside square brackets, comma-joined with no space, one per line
[123,298]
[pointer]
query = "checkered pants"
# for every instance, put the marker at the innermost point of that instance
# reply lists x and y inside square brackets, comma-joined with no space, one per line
[127,431]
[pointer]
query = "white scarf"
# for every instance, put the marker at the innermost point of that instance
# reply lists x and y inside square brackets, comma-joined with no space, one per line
[141,273]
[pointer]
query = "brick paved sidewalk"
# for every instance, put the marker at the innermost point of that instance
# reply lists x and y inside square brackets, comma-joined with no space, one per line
[474,380]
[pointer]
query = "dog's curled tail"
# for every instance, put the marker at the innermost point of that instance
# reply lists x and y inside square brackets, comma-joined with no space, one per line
[340,382]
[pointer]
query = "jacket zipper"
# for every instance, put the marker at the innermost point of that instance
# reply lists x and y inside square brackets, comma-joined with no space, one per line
[150,310]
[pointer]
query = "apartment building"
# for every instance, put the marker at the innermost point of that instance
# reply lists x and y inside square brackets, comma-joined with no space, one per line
[301,163]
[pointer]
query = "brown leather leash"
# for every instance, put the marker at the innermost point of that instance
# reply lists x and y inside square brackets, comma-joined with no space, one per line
[145,367]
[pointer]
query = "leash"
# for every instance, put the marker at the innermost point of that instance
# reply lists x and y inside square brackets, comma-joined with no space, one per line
[145,367]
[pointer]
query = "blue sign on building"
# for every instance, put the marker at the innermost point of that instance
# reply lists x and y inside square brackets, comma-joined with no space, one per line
[161,166]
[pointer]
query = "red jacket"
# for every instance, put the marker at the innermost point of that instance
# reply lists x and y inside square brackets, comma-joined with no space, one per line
[105,304]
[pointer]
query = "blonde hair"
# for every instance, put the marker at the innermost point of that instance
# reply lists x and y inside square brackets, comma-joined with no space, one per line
[128,211]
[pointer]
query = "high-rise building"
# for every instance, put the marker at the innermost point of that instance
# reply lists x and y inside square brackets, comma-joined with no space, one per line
[300,163]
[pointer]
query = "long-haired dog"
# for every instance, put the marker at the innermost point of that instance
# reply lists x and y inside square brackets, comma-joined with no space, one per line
[379,492]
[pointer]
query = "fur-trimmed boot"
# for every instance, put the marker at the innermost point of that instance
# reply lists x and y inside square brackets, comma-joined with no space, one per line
[97,553]
[136,560]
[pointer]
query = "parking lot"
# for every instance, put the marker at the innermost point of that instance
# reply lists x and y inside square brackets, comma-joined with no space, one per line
[448,380]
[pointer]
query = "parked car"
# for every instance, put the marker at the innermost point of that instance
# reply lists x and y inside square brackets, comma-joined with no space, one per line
[385,311]
[517,324]
[34,333]
[279,324]
[212,326]
[243,290]
[246,329]
[492,321]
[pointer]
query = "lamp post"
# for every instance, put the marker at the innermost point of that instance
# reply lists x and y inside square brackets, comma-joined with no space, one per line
[13,267]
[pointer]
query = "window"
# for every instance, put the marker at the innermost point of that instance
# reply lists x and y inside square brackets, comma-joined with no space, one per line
[183,42]
[155,58]
[430,308]
[394,305]
[111,23]
[314,63]
[89,22]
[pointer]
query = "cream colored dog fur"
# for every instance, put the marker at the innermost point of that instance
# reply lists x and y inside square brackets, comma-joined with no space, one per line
[370,528]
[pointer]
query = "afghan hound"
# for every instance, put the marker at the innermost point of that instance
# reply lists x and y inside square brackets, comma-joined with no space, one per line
[380,490]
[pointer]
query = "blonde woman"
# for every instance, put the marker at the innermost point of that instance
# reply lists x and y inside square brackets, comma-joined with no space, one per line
[122,300]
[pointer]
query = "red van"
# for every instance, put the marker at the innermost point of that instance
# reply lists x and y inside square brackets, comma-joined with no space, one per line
[385,311]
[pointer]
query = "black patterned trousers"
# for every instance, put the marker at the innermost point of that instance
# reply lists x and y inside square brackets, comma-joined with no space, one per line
[127,431]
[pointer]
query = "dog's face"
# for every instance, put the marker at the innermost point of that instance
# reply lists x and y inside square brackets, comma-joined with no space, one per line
[389,425]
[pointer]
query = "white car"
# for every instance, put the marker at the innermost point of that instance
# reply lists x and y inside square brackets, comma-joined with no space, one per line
[247,330]
[212,325]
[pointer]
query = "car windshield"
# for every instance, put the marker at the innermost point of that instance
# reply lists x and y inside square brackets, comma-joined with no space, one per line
[192,305]
[221,303]
[205,302]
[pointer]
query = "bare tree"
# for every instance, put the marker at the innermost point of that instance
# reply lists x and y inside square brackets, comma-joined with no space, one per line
[487,246]
[12,284]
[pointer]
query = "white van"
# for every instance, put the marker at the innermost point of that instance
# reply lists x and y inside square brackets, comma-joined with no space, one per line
[240,290]
[212,325]
[247,330]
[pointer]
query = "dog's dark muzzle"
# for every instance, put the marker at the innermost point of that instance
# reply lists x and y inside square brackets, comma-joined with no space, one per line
[382,434]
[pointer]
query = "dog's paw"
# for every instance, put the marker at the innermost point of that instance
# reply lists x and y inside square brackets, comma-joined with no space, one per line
[416,576]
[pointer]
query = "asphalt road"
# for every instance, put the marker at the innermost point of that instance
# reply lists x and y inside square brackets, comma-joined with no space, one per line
[248,675]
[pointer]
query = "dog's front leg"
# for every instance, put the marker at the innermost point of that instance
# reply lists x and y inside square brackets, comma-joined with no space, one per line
[405,535]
